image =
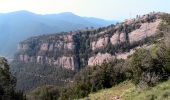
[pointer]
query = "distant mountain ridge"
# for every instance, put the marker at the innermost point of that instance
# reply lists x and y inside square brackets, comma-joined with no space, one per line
[19,25]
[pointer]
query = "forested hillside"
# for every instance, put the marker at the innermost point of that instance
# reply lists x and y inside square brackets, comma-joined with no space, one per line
[145,68]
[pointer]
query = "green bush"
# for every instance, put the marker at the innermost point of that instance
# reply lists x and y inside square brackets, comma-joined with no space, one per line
[92,79]
[45,93]
[7,83]
[148,70]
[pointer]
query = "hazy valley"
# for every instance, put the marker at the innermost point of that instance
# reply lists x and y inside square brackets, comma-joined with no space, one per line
[18,26]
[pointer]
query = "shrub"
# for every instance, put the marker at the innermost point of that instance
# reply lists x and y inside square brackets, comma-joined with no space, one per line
[7,83]
[148,70]
[92,79]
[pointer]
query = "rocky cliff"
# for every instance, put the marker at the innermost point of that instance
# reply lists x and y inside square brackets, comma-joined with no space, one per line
[77,49]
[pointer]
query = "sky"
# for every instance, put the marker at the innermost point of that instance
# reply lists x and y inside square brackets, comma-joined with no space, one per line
[105,9]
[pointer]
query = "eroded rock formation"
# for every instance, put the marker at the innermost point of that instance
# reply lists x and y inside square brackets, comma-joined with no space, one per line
[76,49]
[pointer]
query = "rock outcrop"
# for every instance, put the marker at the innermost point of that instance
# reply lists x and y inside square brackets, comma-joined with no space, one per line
[91,47]
[100,58]
[146,30]
[118,38]
[100,43]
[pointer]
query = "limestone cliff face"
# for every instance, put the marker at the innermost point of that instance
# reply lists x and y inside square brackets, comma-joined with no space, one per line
[76,49]
[23,47]
[100,58]
[118,38]
[54,50]
[100,43]
[146,30]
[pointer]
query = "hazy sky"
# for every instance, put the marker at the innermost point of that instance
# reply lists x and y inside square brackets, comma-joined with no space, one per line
[106,9]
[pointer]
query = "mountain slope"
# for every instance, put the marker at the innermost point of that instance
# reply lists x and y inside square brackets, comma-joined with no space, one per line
[17,26]
[80,48]
[75,50]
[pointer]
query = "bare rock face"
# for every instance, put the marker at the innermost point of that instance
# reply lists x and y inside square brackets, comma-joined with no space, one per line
[64,42]
[39,59]
[26,58]
[44,47]
[99,59]
[68,42]
[65,62]
[59,45]
[100,43]
[51,50]
[51,47]
[68,37]
[23,47]
[124,55]
[146,30]
[21,57]
[69,46]
[118,38]
[114,39]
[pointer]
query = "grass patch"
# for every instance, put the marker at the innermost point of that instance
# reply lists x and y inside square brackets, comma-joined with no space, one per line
[159,92]
[110,94]
[128,91]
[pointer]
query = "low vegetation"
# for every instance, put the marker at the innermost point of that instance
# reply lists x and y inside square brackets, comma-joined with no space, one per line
[44,93]
[92,79]
[159,92]
[128,91]
[112,93]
